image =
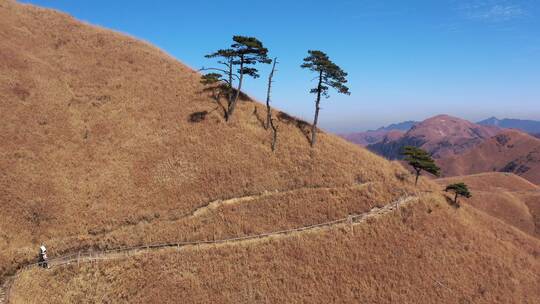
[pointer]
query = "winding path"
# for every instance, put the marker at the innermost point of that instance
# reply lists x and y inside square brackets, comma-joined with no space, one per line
[221,202]
[125,252]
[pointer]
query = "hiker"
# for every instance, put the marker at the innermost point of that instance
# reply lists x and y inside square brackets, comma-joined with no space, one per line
[43,260]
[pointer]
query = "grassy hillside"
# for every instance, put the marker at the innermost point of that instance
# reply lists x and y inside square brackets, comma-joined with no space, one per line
[98,151]
[96,137]
[428,252]
[505,196]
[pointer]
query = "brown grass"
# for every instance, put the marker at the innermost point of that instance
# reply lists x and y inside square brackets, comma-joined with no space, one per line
[96,138]
[505,196]
[428,252]
[99,151]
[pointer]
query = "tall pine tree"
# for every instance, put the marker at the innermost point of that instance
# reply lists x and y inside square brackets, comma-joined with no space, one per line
[329,75]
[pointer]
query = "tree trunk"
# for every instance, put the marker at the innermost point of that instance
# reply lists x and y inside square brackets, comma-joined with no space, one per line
[317,108]
[274,134]
[455,198]
[417,176]
[229,93]
[268,91]
[269,120]
[232,105]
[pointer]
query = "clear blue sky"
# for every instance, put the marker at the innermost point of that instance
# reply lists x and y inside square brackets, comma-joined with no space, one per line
[406,59]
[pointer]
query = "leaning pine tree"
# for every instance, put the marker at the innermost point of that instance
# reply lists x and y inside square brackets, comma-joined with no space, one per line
[420,160]
[329,75]
[239,60]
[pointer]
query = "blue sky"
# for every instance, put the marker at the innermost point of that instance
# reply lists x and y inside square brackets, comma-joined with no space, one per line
[406,59]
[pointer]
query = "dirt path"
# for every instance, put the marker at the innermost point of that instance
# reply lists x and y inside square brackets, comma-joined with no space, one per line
[2,295]
[221,202]
[119,253]
[123,253]
[4,290]
[215,204]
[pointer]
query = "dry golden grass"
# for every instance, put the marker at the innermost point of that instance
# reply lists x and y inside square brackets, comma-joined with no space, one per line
[96,138]
[492,181]
[428,252]
[98,152]
[505,196]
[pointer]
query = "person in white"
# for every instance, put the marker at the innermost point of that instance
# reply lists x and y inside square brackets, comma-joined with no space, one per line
[43,260]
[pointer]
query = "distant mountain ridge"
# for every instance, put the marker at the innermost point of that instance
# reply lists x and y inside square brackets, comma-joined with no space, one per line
[401,126]
[371,137]
[529,126]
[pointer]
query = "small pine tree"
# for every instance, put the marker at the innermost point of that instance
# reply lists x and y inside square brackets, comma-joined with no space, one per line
[212,80]
[329,76]
[420,160]
[225,75]
[459,189]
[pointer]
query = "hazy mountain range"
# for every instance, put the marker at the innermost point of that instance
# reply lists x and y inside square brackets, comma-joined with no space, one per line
[529,126]
[461,147]
[371,137]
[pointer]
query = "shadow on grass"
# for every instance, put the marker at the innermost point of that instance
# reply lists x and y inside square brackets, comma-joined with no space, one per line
[302,125]
[258,117]
[451,202]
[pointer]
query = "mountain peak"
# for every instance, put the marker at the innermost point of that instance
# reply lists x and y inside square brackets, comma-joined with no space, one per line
[441,135]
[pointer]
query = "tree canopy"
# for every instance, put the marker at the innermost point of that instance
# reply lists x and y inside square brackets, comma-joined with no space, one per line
[420,160]
[459,189]
[332,76]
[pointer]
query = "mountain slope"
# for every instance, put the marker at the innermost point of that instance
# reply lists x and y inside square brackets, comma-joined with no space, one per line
[97,138]
[427,252]
[510,151]
[506,196]
[99,151]
[441,135]
[529,126]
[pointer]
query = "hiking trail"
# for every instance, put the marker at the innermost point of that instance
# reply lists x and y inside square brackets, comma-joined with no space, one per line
[126,252]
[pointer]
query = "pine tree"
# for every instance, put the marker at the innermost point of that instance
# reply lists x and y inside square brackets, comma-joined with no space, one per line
[329,75]
[225,75]
[420,160]
[459,189]
[244,53]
